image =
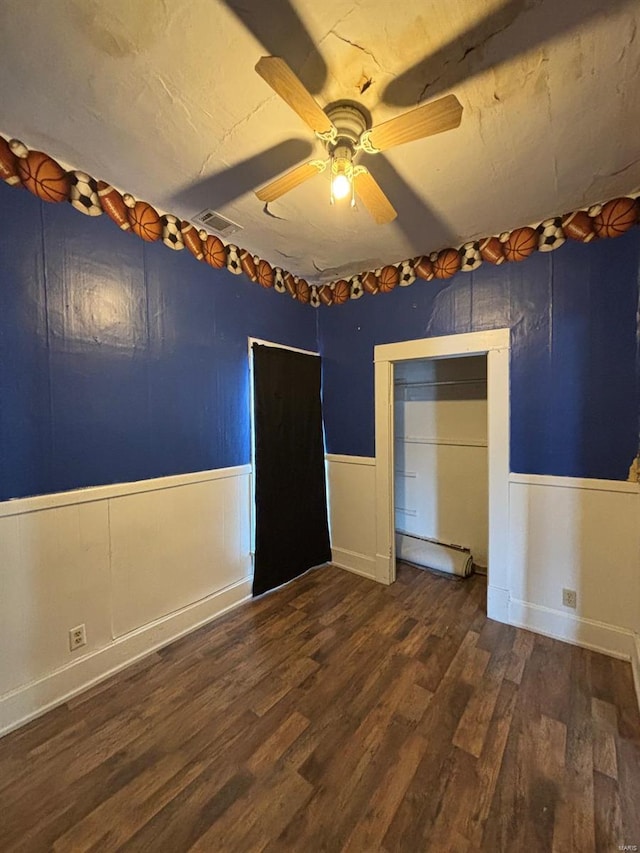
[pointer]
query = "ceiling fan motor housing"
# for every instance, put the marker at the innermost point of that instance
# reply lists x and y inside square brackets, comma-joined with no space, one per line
[350,123]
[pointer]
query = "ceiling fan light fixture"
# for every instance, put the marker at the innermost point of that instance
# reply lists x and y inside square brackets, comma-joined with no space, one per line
[340,186]
[341,173]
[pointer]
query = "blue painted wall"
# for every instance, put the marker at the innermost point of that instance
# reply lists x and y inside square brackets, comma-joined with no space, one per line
[574,359]
[121,360]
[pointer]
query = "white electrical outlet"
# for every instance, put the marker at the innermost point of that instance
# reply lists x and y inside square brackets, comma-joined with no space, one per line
[77,637]
[569,598]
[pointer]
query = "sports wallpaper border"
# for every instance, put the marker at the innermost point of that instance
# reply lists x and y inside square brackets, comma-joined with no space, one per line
[45,178]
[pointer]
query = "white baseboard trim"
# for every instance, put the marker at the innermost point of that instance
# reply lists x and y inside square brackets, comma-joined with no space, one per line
[385,569]
[498,604]
[350,460]
[29,701]
[359,564]
[596,636]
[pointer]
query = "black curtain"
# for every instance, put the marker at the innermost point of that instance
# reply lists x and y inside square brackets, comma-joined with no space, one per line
[292,532]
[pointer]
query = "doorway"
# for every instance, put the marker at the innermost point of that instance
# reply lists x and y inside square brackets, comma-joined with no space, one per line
[494,345]
[441,476]
[290,509]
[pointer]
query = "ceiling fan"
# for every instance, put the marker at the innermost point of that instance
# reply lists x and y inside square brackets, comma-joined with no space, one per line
[344,130]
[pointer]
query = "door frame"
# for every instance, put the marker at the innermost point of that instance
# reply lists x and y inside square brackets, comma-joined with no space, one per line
[495,344]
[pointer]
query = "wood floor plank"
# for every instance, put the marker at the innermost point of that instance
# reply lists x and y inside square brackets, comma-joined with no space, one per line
[338,714]
[386,797]
[575,820]
[278,743]
[474,724]
[192,812]
[252,819]
[604,755]
[522,648]
[116,819]
[489,765]
[607,812]
[415,817]
[628,764]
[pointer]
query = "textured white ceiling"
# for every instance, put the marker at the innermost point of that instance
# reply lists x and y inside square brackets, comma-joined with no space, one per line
[159,97]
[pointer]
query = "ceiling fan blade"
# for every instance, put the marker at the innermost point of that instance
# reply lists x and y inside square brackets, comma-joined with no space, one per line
[290,180]
[275,71]
[425,120]
[372,196]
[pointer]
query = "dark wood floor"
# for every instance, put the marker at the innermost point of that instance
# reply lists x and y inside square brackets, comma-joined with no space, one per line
[337,714]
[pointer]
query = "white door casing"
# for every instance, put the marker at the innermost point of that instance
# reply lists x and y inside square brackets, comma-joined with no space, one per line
[496,345]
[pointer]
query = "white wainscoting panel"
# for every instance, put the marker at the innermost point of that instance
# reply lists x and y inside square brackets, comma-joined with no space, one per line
[138,564]
[175,546]
[582,535]
[54,568]
[352,504]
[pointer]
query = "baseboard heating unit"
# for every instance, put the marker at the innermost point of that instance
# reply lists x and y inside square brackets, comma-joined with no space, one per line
[430,554]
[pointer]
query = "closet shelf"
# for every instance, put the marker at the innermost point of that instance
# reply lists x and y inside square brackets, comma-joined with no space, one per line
[483,381]
[452,442]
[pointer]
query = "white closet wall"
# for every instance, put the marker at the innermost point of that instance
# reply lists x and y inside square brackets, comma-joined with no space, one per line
[441,483]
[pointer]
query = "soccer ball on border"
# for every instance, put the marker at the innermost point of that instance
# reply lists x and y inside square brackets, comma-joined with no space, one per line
[470,256]
[83,193]
[314,297]
[172,232]
[550,234]
[233,259]
[406,273]
[278,280]
[356,289]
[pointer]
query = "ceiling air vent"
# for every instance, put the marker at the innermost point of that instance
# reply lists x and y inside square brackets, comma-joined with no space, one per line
[216,222]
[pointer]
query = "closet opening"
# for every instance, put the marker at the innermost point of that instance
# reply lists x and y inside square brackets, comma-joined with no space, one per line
[493,348]
[441,483]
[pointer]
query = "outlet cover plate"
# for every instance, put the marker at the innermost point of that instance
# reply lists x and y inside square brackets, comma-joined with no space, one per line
[77,637]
